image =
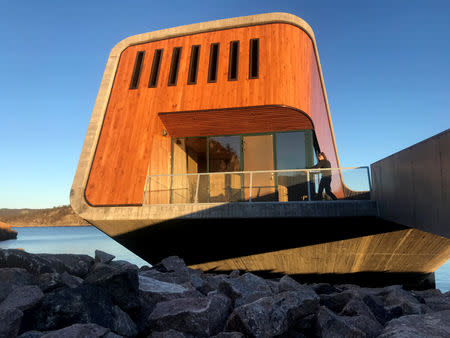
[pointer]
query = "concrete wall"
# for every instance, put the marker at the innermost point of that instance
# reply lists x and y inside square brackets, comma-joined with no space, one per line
[412,187]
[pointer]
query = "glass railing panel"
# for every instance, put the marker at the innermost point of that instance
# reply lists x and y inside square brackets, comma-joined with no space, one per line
[292,186]
[258,186]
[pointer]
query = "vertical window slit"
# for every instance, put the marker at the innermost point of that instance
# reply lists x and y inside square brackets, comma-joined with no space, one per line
[213,62]
[174,65]
[233,65]
[193,66]
[254,59]
[153,81]
[137,70]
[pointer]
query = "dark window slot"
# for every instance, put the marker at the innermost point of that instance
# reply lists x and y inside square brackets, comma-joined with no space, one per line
[193,65]
[174,65]
[137,70]
[233,65]
[254,59]
[213,62]
[153,81]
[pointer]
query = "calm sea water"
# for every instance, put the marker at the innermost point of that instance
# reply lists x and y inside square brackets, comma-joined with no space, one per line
[85,240]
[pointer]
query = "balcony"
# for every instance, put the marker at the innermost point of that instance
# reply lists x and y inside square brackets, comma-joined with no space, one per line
[296,185]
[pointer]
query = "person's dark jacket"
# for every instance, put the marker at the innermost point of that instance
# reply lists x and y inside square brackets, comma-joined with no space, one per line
[323,164]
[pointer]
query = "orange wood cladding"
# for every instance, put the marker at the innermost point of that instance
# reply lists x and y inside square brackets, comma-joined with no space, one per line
[131,143]
[234,121]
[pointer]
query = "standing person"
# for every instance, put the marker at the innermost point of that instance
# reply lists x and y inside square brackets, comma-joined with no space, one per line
[325,181]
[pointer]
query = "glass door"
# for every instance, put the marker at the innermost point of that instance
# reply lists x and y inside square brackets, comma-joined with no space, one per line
[258,155]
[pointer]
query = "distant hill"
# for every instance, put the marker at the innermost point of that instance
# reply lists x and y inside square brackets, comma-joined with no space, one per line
[62,215]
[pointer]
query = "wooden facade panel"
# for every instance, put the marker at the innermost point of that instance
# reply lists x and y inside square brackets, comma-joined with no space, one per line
[234,121]
[131,135]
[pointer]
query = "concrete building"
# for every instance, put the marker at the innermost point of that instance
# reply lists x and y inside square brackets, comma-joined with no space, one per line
[199,145]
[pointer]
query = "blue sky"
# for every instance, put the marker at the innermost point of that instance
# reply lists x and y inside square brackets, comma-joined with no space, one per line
[385,63]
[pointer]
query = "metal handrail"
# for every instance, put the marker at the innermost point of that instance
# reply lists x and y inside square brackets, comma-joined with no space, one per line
[259,171]
[308,172]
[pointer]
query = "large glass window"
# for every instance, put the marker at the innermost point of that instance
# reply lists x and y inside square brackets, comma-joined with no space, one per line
[218,155]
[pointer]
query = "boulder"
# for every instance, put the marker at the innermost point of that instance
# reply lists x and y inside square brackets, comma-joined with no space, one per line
[324,288]
[435,324]
[10,320]
[53,280]
[11,278]
[245,289]
[400,302]
[330,325]
[170,334]
[434,299]
[123,324]
[78,330]
[22,298]
[123,265]
[122,285]
[64,307]
[34,264]
[201,317]
[337,301]
[229,335]
[273,315]
[77,265]
[32,334]
[103,257]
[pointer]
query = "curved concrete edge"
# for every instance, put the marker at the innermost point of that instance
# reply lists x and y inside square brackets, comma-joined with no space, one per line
[77,196]
[133,218]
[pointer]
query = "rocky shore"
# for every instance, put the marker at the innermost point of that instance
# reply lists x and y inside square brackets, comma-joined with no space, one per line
[48,295]
[6,232]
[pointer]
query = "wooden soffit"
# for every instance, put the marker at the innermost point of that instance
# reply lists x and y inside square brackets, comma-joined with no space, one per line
[244,120]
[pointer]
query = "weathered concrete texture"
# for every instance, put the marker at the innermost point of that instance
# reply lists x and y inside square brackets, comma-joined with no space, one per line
[412,187]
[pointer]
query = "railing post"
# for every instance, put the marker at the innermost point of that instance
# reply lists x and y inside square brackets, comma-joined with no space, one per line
[309,185]
[370,184]
[196,189]
[145,189]
[251,185]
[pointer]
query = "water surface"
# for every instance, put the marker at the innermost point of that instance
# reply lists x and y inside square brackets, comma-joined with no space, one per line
[85,240]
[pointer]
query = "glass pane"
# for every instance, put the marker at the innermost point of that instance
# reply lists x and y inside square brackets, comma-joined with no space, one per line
[258,155]
[224,154]
[291,152]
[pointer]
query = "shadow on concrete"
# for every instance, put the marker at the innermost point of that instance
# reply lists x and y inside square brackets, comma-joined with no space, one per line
[204,240]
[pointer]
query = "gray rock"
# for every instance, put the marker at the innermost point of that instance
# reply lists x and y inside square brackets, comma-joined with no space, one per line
[32,334]
[34,264]
[330,325]
[49,281]
[287,283]
[122,285]
[64,307]
[368,325]
[123,324]
[376,305]
[245,289]
[435,324]
[22,298]
[103,257]
[10,320]
[274,315]
[202,317]
[69,280]
[78,330]
[356,307]
[324,288]
[400,302]
[229,335]
[123,265]
[148,284]
[337,301]
[170,334]
[186,277]
[16,276]
[173,263]
[434,299]
[77,265]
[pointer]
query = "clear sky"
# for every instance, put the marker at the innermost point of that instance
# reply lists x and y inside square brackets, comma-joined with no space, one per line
[385,64]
